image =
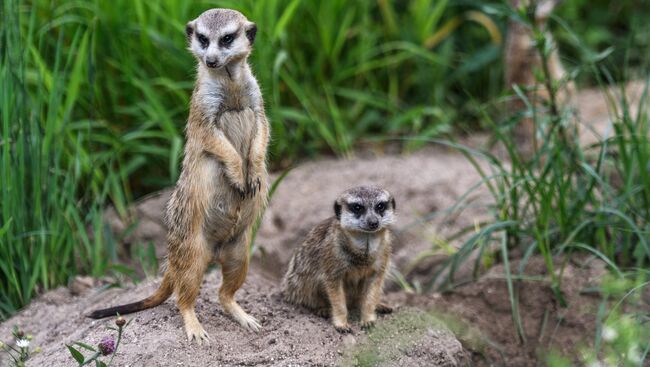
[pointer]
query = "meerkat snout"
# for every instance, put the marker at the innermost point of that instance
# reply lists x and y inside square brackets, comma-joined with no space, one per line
[368,210]
[219,37]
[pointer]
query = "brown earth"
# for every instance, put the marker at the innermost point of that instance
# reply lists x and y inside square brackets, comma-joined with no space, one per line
[481,315]
[426,184]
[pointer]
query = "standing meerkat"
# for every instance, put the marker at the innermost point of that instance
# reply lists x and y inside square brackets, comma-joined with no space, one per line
[521,59]
[223,184]
[344,260]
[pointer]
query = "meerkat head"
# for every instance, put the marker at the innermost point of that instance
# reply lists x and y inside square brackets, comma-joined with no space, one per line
[219,37]
[365,209]
[543,8]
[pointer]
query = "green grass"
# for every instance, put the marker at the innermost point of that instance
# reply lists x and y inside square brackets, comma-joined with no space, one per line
[52,185]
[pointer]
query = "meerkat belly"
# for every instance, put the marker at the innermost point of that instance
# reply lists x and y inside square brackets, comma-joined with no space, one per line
[228,214]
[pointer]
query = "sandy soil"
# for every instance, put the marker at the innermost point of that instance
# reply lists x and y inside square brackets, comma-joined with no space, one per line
[290,336]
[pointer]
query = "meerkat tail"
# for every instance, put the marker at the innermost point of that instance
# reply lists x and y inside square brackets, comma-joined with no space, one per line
[162,293]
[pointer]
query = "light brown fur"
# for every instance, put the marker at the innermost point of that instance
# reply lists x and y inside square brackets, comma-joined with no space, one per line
[223,184]
[521,60]
[329,274]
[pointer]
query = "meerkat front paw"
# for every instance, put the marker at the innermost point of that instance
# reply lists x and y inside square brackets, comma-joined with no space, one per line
[342,326]
[238,184]
[239,189]
[367,324]
[235,175]
[343,329]
[368,321]
[253,186]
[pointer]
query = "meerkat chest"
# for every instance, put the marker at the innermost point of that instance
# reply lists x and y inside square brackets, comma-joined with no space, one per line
[368,243]
[239,127]
[236,96]
[219,95]
[364,255]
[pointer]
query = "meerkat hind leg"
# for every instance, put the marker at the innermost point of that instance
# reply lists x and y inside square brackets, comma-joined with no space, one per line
[187,288]
[234,267]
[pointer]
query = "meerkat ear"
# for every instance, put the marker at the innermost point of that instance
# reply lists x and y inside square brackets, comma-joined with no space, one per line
[392,202]
[251,31]
[189,30]
[337,210]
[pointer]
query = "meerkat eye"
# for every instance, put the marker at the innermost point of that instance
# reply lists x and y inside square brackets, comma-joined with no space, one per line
[227,39]
[356,208]
[203,40]
[380,207]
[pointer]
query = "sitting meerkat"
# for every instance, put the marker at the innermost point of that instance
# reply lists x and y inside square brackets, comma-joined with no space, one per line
[223,184]
[344,260]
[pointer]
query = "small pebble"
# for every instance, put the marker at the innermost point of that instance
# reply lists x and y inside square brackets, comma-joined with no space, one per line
[349,340]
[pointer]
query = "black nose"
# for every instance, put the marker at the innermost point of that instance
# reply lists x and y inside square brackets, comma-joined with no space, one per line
[373,223]
[211,64]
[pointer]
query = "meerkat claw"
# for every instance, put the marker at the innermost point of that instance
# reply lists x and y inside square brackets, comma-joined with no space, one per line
[346,329]
[200,335]
[250,323]
[240,190]
[383,309]
[253,187]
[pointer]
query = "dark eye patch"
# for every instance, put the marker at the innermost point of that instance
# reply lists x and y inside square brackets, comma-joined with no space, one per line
[381,207]
[356,208]
[226,40]
[203,40]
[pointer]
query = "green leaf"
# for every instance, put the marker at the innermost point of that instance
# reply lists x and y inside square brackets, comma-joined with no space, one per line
[99,363]
[86,346]
[76,354]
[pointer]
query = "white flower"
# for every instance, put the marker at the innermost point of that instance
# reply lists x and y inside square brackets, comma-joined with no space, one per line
[22,343]
[633,355]
[609,334]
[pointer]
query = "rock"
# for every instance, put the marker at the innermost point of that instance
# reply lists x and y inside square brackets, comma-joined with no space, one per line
[80,285]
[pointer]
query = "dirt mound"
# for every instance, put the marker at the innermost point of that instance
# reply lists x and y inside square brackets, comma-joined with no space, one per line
[290,336]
